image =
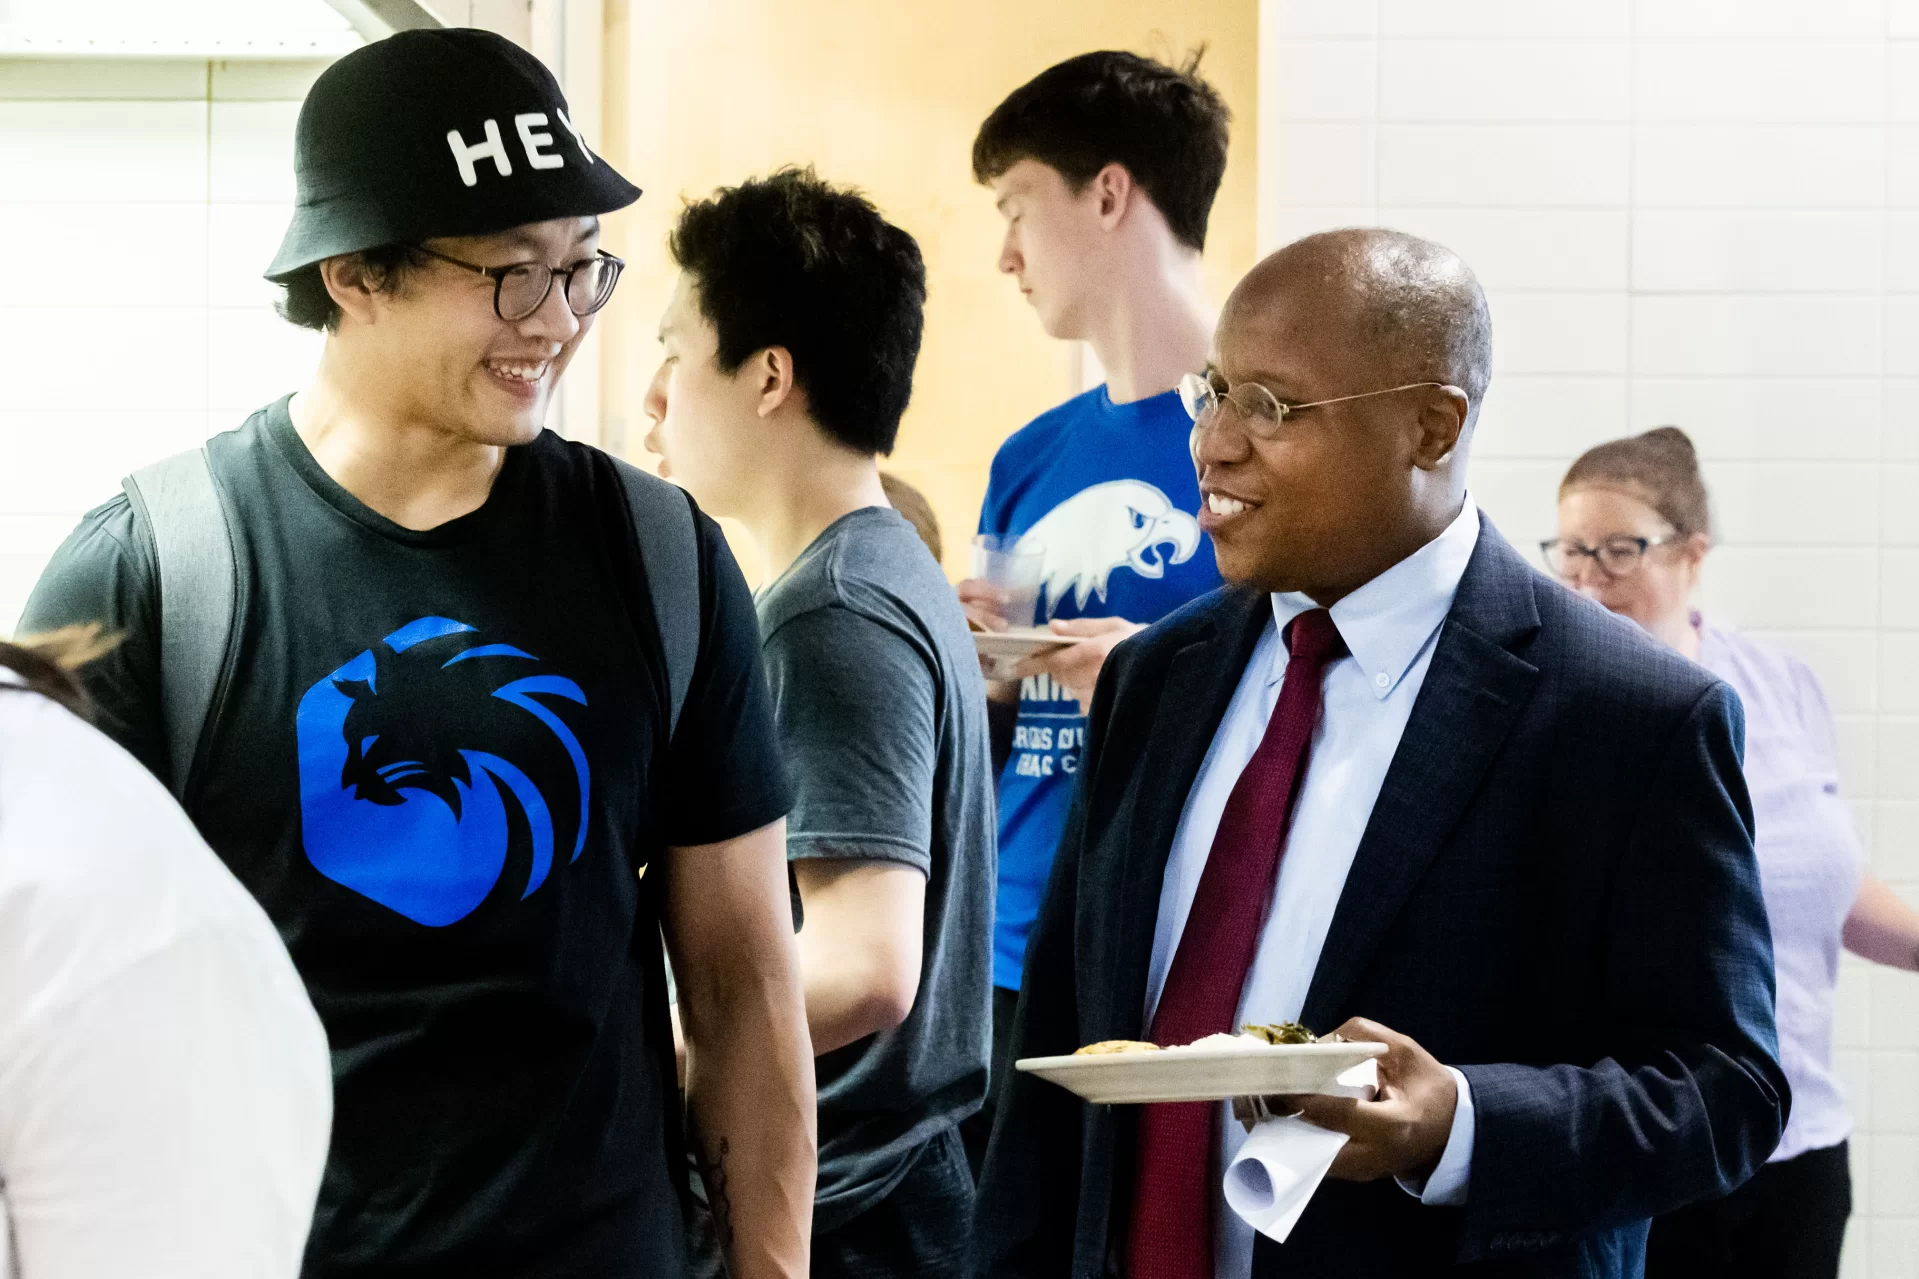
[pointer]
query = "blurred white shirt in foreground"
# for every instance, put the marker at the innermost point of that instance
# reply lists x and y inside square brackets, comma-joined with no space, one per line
[165,1089]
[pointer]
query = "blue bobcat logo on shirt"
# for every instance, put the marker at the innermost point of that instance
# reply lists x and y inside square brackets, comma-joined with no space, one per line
[418,761]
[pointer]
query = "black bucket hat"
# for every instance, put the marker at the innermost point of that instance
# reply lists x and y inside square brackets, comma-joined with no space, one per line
[432,133]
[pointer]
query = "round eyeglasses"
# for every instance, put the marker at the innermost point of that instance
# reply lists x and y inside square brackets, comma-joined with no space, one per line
[1260,411]
[521,288]
[1617,556]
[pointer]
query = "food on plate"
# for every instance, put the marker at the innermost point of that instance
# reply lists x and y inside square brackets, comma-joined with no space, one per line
[1285,1032]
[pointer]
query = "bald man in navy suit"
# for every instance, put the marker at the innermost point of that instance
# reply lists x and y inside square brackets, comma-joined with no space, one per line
[1393,782]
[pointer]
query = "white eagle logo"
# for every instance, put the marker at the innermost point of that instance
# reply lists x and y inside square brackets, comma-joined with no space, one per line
[1119,524]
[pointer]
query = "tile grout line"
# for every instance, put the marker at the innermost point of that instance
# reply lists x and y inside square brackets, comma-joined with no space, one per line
[1632,207]
[206,272]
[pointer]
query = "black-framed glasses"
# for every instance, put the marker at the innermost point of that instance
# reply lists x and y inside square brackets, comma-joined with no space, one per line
[1617,556]
[1259,409]
[520,289]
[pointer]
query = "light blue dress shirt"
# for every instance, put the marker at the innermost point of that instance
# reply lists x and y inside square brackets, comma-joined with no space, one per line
[1390,626]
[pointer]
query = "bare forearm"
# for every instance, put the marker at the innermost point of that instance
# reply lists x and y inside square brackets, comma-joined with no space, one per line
[748,1063]
[1883,928]
[749,1082]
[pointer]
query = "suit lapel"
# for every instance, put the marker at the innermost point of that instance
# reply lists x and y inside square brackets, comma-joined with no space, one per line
[1199,683]
[1474,690]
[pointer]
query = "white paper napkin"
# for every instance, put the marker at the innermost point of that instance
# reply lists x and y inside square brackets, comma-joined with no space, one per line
[1272,1178]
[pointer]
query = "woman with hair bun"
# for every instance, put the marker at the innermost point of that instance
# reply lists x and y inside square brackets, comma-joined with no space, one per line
[1634,532]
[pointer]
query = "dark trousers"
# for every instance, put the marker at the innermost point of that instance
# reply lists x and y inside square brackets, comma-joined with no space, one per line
[978,1126]
[922,1230]
[1788,1222]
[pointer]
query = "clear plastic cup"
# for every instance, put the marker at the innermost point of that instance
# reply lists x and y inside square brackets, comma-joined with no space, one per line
[1013,568]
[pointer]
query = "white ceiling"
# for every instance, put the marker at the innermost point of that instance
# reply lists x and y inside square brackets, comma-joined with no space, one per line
[175,28]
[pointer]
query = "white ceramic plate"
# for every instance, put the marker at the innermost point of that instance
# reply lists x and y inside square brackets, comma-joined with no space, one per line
[1201,1074]
[1020,641]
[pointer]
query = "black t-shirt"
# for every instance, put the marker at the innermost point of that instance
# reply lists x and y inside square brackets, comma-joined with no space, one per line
[440,762]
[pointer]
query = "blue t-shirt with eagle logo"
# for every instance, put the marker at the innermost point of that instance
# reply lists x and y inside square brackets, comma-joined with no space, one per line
[1109,493]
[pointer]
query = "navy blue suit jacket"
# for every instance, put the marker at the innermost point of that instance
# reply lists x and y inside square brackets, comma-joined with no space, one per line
[1556,893]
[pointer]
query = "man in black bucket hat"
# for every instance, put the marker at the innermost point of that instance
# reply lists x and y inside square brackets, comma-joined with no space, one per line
[443,688]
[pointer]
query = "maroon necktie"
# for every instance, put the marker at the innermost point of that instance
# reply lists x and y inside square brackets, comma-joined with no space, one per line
[1174,1190]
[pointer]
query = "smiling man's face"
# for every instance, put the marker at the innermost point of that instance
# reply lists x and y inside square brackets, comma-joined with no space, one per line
[454,362]
[1310,509]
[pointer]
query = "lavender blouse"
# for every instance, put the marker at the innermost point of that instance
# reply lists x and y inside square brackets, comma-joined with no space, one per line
[1810,864]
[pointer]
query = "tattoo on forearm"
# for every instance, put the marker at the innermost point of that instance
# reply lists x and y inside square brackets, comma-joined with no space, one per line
[713,1173]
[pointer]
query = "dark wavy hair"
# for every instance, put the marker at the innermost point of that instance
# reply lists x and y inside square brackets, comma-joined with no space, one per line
[791,260]
[50,664]
[1165,125]
[303,297]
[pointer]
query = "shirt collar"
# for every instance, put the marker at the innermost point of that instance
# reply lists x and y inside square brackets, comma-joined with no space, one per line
[1388,622]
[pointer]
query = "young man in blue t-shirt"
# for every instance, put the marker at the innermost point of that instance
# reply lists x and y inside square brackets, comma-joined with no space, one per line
[1105,168]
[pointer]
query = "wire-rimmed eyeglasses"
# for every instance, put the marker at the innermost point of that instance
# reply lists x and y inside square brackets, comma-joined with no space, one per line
[1259,409]
[520,288]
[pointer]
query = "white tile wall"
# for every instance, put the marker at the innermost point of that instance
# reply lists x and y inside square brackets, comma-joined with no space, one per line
[1505,19]
[1747,251]
[1527,249]
[1785,81]
[1703,212]
[1279,223]
[1902,251]
[1753,335]
[1321,18]
[1747,166]
[1715,19]
[97,152]
[1902,166]
[1896,854]
[1323,80]
[1773,417]
[1902,82]
[1899,588]
[1902,334]
[1497,80]
[1544,418]
[1796,504]
[1330,160]
[1559,332]
[1898,485]
[1494,166]
[163,190]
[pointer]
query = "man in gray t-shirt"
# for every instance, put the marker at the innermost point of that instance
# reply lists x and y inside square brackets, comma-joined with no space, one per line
[882,715]
[789,350]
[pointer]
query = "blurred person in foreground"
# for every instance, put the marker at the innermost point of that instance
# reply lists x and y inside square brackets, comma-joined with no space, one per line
[1394,784]
[789,347]
[443,754]
[164,1084]
[1635,526]
[1104,168]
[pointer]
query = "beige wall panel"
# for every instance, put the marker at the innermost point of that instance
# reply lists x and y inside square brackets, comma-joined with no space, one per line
[886,96]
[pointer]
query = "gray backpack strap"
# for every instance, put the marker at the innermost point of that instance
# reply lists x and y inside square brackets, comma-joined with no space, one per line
[176,500]
[670,551]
